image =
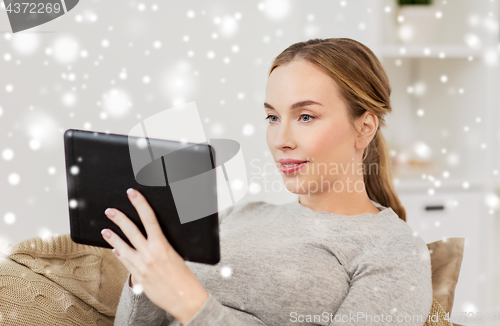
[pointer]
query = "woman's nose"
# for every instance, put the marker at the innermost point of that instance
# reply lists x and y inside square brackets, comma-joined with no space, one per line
[284,137]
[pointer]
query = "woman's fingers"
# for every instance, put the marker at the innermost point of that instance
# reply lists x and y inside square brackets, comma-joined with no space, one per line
[131,231]
[127,255]
[125,261]
[146,213]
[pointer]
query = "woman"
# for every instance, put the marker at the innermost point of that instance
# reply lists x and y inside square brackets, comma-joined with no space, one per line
[341,254]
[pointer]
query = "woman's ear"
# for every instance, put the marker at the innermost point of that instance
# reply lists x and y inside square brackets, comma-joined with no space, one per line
[367,126]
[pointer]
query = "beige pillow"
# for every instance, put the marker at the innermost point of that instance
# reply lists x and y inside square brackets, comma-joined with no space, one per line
[446,260]
[437,316]
[58,282]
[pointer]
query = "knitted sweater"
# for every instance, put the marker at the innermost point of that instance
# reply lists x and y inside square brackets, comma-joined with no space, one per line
[288,264]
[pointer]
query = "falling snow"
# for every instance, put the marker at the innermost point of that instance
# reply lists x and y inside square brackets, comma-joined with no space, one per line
[97,73]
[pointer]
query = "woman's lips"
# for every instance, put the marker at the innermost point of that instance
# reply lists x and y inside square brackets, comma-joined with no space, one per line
[293,168]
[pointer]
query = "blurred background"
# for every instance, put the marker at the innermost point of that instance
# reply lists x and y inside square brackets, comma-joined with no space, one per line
[106,65]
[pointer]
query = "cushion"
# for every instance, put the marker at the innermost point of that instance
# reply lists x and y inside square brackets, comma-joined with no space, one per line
[446,260]
[55,281]
[437,316]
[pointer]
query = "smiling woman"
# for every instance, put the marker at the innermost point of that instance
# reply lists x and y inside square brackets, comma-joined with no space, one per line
[342,250]
[318,98]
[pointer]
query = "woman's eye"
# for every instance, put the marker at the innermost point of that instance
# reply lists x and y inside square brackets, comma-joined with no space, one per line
[269,117]
[307,115]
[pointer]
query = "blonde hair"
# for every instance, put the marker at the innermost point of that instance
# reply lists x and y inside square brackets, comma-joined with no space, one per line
[364,86]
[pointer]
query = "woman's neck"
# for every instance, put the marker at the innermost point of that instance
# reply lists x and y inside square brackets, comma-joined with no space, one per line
[344,204]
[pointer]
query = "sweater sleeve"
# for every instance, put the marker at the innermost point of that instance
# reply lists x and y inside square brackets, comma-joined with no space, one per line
[137,309]
[392,286]
[216,314]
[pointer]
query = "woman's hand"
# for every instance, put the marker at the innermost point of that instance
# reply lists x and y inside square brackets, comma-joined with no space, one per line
[157,268]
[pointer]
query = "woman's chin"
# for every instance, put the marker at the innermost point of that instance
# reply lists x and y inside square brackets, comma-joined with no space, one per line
[296,187]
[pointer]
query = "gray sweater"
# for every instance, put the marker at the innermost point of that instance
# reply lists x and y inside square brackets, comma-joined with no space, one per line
[288,264]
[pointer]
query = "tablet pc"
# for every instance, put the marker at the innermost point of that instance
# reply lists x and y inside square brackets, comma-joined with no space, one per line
[99,170]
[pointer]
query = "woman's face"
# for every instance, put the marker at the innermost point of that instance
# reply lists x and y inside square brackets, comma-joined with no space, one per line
[316,132]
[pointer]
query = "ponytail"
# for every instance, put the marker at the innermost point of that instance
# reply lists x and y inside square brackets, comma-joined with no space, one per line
[379,186]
